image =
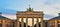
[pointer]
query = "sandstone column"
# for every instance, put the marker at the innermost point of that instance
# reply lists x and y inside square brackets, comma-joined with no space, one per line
[41,22]
[3,25]
[26,21]
[32,22]
[22,23]
[56,24]
[37,22]
[18,22]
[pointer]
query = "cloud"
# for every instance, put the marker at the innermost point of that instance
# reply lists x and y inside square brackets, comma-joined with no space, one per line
[50,2]
[50,8]
[48,16]
[10,16]
[53,9]
[8,11]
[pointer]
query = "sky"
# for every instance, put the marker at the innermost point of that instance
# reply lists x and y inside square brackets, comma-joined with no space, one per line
[51,8]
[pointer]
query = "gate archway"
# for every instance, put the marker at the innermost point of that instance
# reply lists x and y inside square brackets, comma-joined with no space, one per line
[29,14]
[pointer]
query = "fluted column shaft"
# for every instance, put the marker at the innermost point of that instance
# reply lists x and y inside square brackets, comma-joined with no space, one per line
[37,22]
[41,22]
[26,21]
[56,24]
[3,25]
[32,22]
[18,23]
[22,23]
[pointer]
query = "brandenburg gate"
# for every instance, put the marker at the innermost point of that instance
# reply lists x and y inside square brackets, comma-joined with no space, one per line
[29,14]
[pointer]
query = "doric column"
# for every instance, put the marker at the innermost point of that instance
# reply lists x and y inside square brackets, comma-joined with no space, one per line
[32,22]
[26,21]
[56,24]
[18,22]
[3,25]
[41,22]
[37,22]
[22,23]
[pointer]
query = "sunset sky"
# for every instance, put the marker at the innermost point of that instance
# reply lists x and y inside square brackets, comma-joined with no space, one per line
[51,8]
